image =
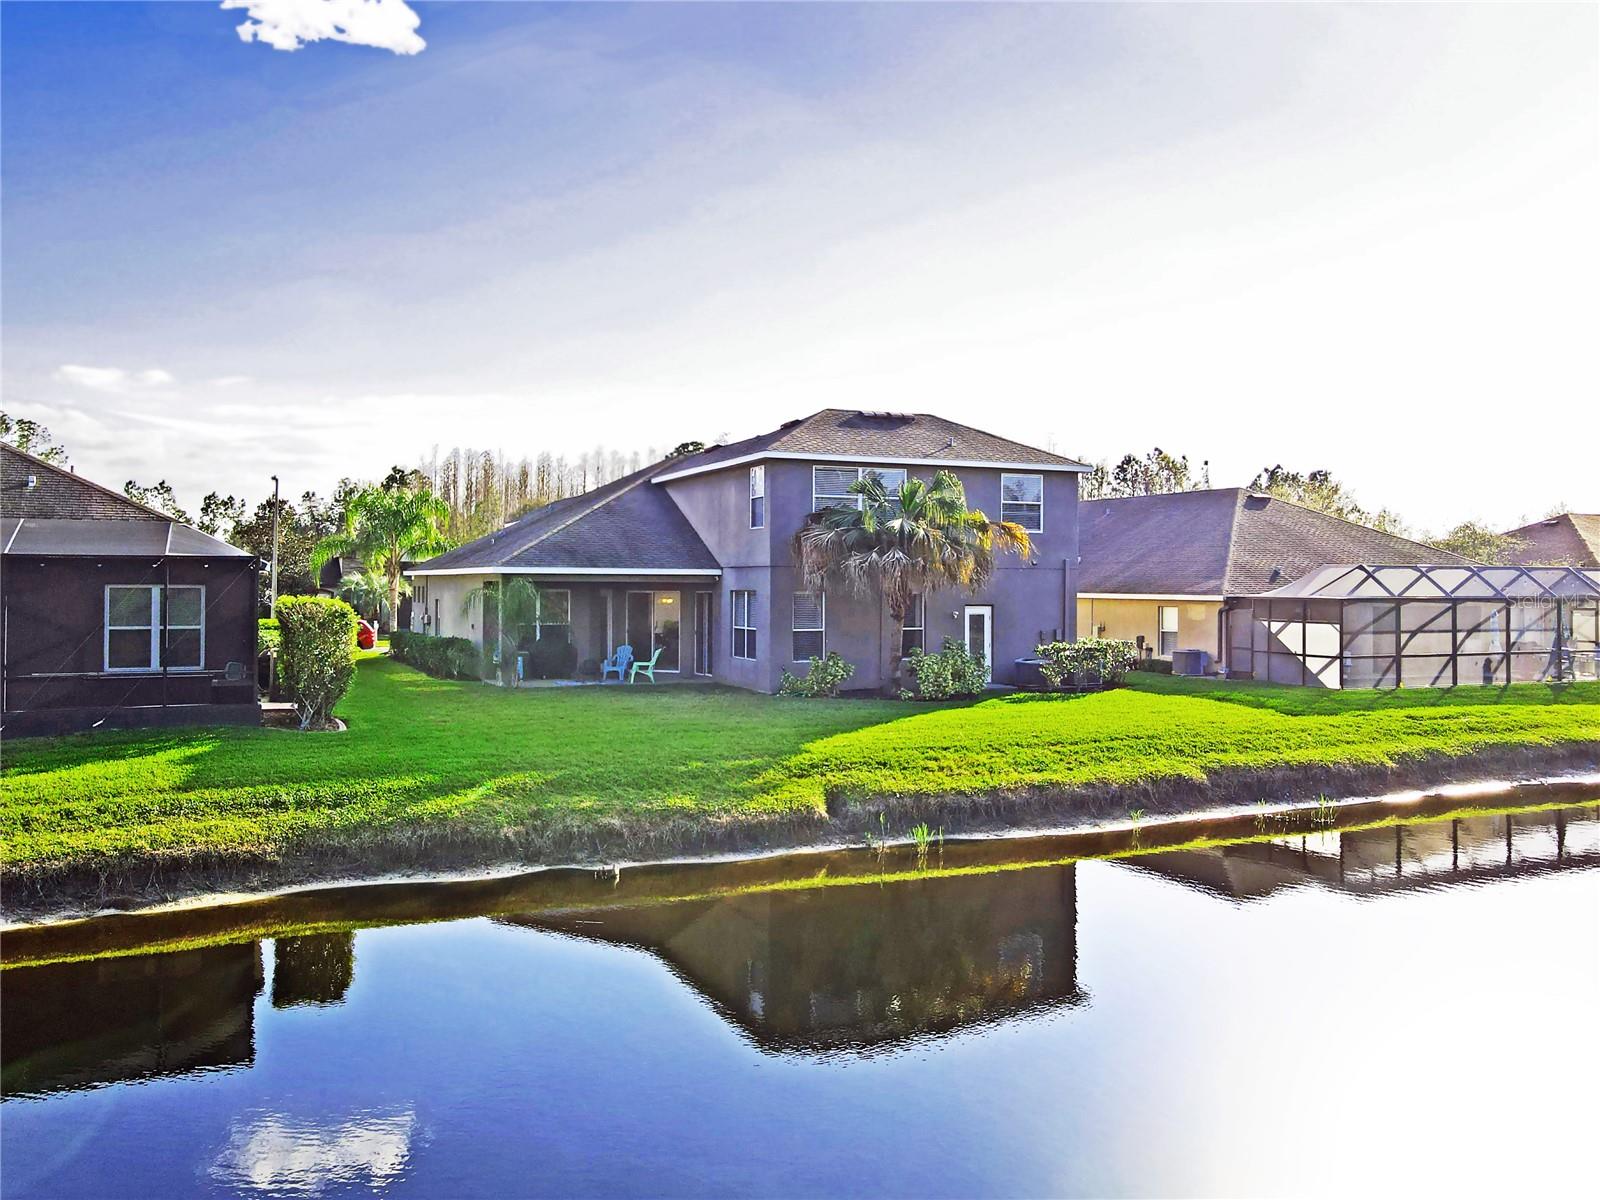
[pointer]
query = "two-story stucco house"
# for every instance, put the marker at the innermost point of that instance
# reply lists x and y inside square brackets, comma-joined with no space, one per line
[692,556]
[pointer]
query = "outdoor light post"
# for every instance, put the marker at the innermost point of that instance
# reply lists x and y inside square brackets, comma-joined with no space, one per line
[272,608]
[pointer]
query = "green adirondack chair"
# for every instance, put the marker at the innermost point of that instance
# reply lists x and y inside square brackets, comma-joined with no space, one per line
[647,669]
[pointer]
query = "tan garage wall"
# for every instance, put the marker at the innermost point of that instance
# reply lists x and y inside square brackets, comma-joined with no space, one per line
[1128,619]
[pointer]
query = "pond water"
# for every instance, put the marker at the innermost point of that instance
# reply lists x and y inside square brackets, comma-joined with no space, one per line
[1396,1009]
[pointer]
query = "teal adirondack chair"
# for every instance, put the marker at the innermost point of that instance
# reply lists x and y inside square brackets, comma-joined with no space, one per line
[645,668]
[618,662]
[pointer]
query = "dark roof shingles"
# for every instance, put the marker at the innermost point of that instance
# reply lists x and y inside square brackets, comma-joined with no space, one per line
[1570,539]
[1223,542]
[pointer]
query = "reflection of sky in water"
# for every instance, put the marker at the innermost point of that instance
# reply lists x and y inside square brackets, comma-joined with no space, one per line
[280,1156]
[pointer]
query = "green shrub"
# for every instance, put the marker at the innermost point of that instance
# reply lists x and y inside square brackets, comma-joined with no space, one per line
[317,659]
[268,636]
[448,658]
[954,671]
[825,678]
[1087,662]
[1156,666]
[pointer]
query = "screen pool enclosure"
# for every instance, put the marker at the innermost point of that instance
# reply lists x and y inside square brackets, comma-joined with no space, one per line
[1383,627]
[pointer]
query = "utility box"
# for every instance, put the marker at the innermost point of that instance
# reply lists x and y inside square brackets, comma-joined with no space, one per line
[1191,662]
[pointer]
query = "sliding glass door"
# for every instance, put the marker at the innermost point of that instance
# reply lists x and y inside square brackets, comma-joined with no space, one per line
[654,622]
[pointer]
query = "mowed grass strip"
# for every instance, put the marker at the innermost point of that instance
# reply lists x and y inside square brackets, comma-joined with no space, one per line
[428,754]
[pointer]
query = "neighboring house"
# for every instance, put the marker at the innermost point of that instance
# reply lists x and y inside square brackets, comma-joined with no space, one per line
[1566,540]
[336,568]
[114,614]
[1159,568]
[692,556]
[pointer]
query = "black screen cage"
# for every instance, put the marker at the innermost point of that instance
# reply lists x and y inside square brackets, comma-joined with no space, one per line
[1382,626]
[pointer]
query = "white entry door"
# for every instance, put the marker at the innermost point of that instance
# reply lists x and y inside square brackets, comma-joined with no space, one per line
[978,621]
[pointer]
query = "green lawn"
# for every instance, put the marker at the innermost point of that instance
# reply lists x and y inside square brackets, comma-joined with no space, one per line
[425,757]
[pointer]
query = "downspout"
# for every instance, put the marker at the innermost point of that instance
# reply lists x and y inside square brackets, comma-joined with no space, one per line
[1069,615]
[166,635]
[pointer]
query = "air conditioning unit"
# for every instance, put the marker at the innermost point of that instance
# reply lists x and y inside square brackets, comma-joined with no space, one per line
[1191,662]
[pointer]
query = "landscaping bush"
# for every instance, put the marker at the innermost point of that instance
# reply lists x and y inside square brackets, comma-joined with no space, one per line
[553,658]
[954,671]
[317,659]
[1088,662]
[1156,666]
[825,678]
[448,658]
[268,635]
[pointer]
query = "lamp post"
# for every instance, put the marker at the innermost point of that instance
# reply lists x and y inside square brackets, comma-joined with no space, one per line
[272,609]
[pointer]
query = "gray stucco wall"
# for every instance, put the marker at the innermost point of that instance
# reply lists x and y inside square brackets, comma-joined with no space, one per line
[1029,598]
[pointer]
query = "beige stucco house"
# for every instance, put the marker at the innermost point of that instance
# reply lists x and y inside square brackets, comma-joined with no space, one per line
[1157,570]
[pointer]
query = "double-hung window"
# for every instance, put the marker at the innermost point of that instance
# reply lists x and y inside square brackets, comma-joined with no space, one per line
[134,628]
[810,620]
[1022,501]
[911,630]
[743,606]
[1167,623]
[758,497]
[830,486]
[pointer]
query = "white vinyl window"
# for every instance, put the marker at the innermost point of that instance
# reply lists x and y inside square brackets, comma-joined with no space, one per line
[809,626]
[1022,501]
[743,606]
[1168,629]
[911,631]
[830,486]
[133,628]
[758,497]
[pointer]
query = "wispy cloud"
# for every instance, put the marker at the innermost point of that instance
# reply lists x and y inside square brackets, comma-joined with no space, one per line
[290,24]
[230,380]
[113,379]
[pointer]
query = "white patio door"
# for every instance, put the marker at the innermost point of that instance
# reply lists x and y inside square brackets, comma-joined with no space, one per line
[978,622]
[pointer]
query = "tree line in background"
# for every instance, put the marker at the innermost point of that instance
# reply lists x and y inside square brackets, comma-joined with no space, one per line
[473,492]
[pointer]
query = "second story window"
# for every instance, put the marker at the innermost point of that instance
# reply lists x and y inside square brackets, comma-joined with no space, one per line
[830,486]
[758,497]
[1022,501]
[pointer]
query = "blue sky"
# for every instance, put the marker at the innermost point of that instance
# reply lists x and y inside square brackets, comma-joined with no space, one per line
[1355,237]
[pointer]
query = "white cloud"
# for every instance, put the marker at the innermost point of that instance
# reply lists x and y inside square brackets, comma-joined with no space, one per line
[277,1154]
[113,379]
[230,380]
[290,24]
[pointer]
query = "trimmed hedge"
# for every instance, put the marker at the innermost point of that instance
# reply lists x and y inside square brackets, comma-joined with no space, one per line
[446,657]
[1087,662]
[954,671]
[317,659]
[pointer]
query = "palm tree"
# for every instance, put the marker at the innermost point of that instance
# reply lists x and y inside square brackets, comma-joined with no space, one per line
[383,527]
[516,604]
[366,591]
[916,540]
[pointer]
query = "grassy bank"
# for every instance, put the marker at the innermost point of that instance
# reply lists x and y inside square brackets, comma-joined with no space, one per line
[426,759]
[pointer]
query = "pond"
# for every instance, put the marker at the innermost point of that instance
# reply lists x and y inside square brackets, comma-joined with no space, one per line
[1391,1008]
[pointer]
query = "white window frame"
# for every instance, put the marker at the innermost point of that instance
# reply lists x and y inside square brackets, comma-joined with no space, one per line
[892,478]
[821,628]
[919,610]
[1162,633]
[749,627]
[1038,527]
[758,491]
[153,662]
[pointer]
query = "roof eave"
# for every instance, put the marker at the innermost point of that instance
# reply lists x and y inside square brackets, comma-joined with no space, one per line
[874,459]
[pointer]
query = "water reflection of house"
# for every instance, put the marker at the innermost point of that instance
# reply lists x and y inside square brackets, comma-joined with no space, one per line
[73,1025]
[860,966]
[1393,858]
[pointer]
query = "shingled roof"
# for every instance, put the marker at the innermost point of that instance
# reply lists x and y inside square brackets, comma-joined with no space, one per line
[31,487]
[623,526]
[1223,542]
[1568,539]
[879,436]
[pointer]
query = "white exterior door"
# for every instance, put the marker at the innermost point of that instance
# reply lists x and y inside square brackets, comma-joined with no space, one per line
[978,623]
